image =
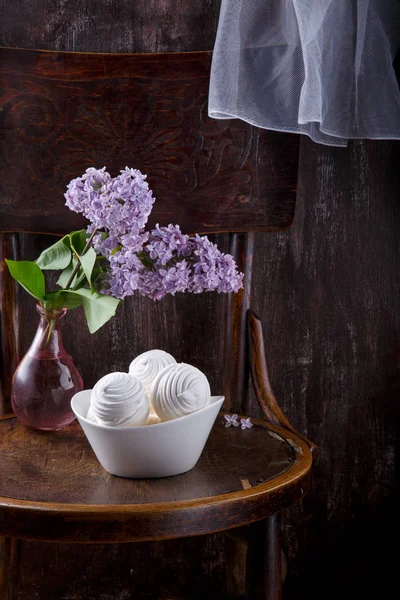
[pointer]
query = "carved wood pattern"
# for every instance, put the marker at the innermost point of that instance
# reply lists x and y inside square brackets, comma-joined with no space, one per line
[63,112]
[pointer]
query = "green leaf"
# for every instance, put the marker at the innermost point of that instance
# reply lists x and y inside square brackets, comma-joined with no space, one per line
[98,308]
[66,274]
[96,273]
[79,281]
[78,240]
[88,261]
[62,298]
[115,250]
[145,260]
[29,275]
[53,300]
[57,256]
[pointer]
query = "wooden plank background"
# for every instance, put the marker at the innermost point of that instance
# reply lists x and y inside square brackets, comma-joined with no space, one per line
[327,291]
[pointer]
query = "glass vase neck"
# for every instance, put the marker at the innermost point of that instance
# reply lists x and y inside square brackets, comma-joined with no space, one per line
[48,341]
[50,313]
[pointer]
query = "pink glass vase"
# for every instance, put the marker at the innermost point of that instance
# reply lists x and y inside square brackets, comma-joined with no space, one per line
[46,379]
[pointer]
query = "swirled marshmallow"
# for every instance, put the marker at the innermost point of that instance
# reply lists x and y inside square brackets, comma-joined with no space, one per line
[147,366]
[119,400]
[179,390]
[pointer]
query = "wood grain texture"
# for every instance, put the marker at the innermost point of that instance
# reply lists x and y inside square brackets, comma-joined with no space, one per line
[10,559]
[61,467]
[110,25]
[330,286]
[261,384]
[235,557]
[58,491]
[172,569]
[327,293]
[63,112]
[264,561]
[235,383]
[10,319]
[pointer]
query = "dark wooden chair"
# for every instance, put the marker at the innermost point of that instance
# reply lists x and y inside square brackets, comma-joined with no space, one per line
[59,113]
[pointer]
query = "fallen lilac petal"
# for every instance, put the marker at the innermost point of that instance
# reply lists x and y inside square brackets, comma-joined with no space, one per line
[231,420]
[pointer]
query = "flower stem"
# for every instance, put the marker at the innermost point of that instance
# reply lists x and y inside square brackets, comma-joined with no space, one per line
[78,264]
[49,330]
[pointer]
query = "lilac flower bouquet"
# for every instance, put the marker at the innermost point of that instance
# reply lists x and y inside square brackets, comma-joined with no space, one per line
[116,257]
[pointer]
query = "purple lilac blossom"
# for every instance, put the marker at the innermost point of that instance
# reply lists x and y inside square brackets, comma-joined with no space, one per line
[119,206]
[231,420]
[163,261]
[172,262]
[246,423]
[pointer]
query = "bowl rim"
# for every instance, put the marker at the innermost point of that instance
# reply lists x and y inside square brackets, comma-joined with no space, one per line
[215,400]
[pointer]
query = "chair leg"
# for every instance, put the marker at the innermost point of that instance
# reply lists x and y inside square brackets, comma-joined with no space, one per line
[264,562]
[9,559]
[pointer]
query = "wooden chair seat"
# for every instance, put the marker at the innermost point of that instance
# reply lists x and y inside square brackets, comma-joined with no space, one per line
[53,488]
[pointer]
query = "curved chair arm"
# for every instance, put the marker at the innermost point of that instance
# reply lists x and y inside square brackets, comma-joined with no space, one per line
[262,387]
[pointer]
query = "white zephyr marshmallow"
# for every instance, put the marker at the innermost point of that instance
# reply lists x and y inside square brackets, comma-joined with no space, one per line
[147,366]
[119,400]
[178,390]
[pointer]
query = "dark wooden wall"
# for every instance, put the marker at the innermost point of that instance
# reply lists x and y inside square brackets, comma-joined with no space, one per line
[327,291]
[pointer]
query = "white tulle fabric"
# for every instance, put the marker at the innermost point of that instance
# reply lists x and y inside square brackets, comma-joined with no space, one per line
[318,67]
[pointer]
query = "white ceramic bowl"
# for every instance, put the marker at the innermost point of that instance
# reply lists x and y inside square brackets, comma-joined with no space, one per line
[159,450]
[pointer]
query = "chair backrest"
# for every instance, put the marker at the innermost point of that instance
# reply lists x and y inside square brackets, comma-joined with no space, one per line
[61,112]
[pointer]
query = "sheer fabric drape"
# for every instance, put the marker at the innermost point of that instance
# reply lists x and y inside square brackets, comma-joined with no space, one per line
[319,67]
